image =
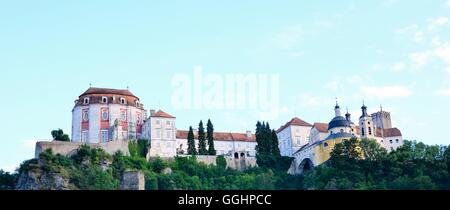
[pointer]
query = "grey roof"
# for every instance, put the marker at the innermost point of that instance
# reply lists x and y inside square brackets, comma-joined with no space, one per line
[338,121]
[339,135]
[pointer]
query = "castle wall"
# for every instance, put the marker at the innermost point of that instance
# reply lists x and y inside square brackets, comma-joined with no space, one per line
[240,163]
[69,148]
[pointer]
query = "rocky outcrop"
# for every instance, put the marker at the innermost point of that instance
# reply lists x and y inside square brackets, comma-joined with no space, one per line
[39,180]
[133,180]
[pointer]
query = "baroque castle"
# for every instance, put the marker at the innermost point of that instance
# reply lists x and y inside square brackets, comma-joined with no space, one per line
[109,118]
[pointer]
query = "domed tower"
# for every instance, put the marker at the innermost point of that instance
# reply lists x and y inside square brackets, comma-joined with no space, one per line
[102,115]
[366,124]
[338,124]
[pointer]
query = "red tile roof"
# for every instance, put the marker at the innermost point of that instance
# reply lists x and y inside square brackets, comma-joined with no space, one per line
[391,132]
[162,114]
[295,121]
[321,127]
[220,136]
[93,90]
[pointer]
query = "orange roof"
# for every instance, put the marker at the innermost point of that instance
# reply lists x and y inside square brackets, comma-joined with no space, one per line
[162,114]
[295,121]
[220,136]
[107,91]
[321,127]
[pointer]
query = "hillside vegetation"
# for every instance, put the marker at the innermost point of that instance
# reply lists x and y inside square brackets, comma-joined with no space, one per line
[353,165]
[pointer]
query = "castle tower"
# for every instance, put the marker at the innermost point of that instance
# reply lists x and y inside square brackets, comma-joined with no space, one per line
[366,125]
[382,119]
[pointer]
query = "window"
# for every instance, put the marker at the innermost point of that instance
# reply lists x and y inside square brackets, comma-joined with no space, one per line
[325,144]
[396,140]
[368,123]
[158,133]
[85,116]
[123,116]
[362,132]
[105,136]
[105,115]
[138,104]
[370,130]
[86,101]
[104,100]
[138,120]
[167,122]
[390,141]
[331,132]
[84,136]
[157,122]
[382,141]
[122,101]
[168,134]
[342,130]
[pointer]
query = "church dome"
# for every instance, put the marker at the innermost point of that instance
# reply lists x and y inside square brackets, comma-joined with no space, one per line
[338,121]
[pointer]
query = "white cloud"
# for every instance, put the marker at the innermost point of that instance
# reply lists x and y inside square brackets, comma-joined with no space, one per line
[289,37]
[413,32]
[442,92]
[313,101]
[386,92]
[443,52]
[434,23]
[398,67]
[419,59]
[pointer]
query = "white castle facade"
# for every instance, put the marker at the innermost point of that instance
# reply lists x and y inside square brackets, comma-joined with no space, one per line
[102,116]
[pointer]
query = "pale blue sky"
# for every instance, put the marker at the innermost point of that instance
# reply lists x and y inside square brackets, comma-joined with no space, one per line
[393,52]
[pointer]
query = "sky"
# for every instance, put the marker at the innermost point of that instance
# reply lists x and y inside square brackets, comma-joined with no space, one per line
[394,53]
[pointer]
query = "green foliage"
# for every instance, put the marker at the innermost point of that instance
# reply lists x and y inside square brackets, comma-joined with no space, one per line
[201,140]
[267,151]
[59,135]
[221,162]
[365,165]
[191,142]
[210,137]
[138,148]
[7,180]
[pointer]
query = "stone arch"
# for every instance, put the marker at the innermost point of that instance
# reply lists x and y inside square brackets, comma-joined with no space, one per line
[305,165]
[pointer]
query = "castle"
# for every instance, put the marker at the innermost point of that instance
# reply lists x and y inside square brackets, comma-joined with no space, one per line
[311,145]
[109,118]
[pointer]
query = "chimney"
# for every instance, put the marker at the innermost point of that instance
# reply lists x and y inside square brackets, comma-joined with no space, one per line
[249,134]
[152,112]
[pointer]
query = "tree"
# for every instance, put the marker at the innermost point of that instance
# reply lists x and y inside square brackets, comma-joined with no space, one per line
[201,140]
[210,137]
[274,150]
[58,135]
[191,142]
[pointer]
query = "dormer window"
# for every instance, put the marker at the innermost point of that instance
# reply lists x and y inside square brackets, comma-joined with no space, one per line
[104,100]
[138,104]
[122,101]
[86,101]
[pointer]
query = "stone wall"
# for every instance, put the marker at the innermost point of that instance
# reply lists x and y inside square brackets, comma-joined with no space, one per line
[240,164]
[69,148]
[133,180]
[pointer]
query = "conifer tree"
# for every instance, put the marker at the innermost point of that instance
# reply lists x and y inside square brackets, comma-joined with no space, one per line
[275,151]
[210,137]
[201,140]
[191,142]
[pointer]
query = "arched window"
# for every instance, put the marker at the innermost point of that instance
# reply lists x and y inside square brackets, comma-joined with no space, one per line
[370,130]
[122,101]
[86,101]
[362,132]
[236,155]
[104,100]
[105,115]
[325,144]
